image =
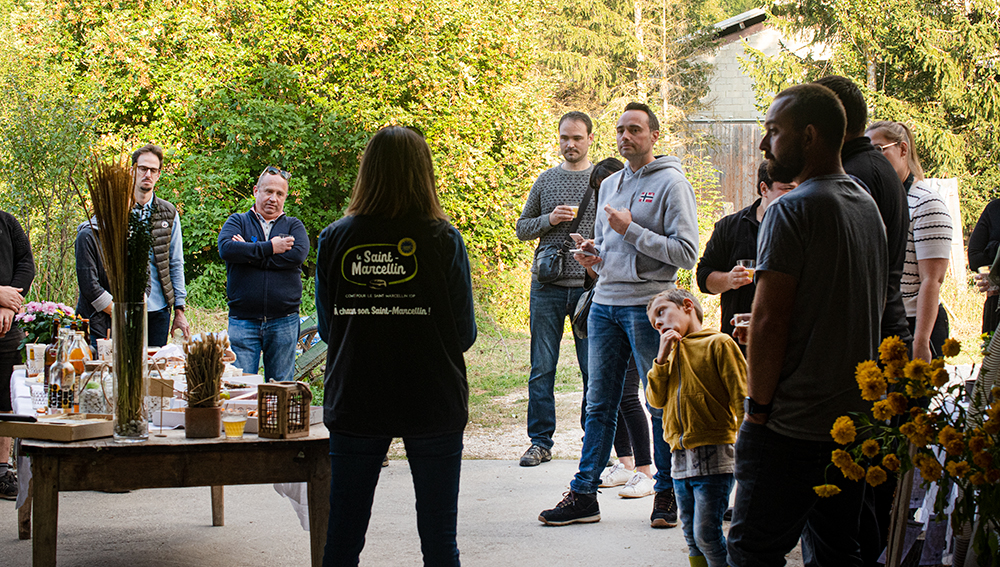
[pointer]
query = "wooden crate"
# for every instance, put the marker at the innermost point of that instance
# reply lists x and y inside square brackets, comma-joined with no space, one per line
[283,410]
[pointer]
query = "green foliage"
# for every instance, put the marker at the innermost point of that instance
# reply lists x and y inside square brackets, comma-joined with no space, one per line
[932,65]
[43,132]
[242,127]
[208,289]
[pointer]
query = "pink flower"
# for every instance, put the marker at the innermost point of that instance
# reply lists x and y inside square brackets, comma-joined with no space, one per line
[28,317]
[49,308]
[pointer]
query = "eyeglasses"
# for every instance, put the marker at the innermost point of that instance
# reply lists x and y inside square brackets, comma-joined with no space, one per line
[143,170]
[885,147]
[275,171]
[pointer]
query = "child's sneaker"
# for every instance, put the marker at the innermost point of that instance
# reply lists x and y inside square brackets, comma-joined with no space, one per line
[638,486]
[615,475]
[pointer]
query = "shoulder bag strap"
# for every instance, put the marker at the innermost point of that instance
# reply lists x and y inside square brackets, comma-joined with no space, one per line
[575,224]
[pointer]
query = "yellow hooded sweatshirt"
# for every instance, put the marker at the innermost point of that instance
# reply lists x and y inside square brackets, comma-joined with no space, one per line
[701,390]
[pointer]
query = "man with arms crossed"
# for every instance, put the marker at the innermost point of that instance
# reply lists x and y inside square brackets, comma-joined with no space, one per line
[547,216]
[646,229]
[821,285]
[264,250]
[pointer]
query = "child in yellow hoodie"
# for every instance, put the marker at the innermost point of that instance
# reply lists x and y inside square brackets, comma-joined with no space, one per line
[699,379]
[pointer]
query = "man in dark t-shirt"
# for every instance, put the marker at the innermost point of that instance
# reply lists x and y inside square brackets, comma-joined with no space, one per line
[822,278]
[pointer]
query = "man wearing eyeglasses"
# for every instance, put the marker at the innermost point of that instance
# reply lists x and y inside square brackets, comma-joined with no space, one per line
[264,250]
[166,260]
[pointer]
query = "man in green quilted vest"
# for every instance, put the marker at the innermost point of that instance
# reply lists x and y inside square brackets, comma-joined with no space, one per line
[166,260]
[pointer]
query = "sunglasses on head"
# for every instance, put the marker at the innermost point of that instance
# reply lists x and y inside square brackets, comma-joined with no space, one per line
[275,171]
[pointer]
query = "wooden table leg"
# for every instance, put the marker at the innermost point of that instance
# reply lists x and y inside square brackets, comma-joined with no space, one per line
[218,507]
[24,515]
[45,508]
[318,494]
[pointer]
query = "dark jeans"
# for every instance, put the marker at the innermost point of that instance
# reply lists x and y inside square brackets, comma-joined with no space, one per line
[938,334]
[991,313]
[158,327]
[776,504]
[701,502]
[549,306]
[632,433]
[435,465]
[9,356]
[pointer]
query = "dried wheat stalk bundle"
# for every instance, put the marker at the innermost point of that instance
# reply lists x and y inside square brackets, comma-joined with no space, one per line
[204,370]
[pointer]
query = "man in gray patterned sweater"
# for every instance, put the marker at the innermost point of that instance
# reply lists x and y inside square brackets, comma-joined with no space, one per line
[552,205]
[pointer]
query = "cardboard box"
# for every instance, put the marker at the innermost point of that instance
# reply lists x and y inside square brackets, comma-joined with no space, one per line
[61,427]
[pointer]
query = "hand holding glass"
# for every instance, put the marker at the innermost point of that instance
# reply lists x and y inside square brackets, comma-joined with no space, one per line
[747,265]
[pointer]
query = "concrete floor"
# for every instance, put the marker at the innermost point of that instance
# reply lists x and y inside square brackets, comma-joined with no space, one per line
[498,508]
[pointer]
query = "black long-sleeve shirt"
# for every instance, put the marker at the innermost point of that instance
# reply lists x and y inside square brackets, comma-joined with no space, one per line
[17,265]
[734,238]
[985,237]
[862,160]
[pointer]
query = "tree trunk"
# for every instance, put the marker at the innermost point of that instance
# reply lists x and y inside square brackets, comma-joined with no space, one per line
[640,57]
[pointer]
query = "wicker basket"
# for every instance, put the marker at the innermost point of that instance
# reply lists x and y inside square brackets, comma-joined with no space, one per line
[283,410]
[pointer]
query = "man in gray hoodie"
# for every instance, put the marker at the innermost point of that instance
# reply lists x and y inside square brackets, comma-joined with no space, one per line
[646,229]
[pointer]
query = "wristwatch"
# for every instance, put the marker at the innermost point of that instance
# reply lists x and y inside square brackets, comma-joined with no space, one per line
[751,407]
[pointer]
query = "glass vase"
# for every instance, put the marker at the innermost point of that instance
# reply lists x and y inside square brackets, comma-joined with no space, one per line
[128,337]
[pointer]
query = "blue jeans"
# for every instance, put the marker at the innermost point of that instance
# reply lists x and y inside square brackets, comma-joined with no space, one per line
[549,307]
[776,504]
[701,502]
[615,332]
[276,338]
[435,465]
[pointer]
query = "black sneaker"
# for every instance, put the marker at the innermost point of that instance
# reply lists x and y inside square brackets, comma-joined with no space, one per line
[664,510]
[575,508]
[8,485]
[535,455]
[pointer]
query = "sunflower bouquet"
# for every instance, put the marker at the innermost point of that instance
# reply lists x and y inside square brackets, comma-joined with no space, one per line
[954,442]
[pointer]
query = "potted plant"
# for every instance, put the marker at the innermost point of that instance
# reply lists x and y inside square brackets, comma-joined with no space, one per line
[39,320]
[203,415]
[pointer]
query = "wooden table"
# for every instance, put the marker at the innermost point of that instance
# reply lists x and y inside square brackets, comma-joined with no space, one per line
[173,461]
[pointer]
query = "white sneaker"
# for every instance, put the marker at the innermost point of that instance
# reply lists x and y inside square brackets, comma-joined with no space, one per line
[615,475]
[638,486]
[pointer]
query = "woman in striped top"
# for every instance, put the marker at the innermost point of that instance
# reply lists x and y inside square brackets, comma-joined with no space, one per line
[928,245]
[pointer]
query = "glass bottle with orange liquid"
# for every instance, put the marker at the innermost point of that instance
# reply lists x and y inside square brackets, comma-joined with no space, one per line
[79,352]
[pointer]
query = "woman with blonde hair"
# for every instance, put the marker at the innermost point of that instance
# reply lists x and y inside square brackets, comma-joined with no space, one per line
[928,245]
[394,304]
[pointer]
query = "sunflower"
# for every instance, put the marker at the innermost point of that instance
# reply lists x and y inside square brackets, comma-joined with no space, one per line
[891,462]
[870,448]
[892,350]
[882,410]
[959,469]
[875,476]
[951,347]
[843,431]
[826,490]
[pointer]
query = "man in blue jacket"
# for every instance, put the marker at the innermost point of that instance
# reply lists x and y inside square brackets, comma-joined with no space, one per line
[264,249]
